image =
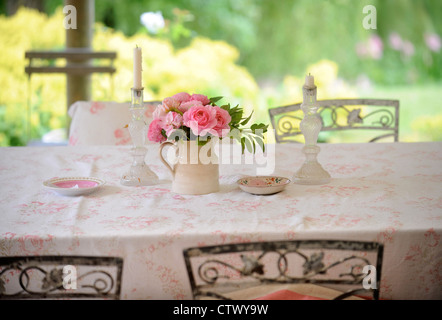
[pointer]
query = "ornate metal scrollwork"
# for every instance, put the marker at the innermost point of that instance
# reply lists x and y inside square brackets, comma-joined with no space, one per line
[42,277]
[344,114]
[254,265]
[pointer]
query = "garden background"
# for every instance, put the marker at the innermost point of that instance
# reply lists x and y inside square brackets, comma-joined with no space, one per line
[252,52]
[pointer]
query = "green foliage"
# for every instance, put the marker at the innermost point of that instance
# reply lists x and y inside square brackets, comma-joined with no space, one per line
[205,66]
[262,52]
[247,137]
[276,38]
[29,107]
[428,128]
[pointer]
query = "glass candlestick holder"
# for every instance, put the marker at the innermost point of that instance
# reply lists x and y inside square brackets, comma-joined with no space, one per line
[311,172]
[139,174]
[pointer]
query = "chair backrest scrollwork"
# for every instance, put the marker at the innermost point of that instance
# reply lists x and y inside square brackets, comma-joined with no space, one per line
[216,271]
[338,115]
[54,277]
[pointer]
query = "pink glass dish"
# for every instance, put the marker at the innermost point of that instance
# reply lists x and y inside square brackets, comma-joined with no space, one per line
[75,183]
[73,186]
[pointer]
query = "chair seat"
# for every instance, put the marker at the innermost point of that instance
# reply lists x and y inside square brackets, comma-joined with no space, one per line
[304,291]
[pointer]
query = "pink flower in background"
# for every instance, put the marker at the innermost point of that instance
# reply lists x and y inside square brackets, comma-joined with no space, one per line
[375,47]
[182,97]
[223,118]
[408,49]
[372,48]
[172,122]
[396,41]
[200,97]
[200,119]
[154,132]
[433,41]
[361,49]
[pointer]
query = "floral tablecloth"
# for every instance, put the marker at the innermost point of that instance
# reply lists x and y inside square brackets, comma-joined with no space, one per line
[379,192]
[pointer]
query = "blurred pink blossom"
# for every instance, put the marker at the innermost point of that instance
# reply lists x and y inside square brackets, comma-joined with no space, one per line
[408,49]
[361,49]
[372,48]
[396,41]
[433,41]
[375,47]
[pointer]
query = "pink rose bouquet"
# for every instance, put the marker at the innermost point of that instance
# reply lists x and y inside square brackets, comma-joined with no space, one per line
[197,117]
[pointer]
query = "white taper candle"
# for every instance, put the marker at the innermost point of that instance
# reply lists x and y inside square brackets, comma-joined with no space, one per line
[137,68]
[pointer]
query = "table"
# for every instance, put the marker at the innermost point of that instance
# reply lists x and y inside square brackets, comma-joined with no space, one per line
[387,192]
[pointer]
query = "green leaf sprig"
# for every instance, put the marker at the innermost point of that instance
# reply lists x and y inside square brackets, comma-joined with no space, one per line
[247,137]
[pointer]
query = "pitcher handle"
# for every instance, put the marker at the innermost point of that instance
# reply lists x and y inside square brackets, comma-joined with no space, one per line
[168,166]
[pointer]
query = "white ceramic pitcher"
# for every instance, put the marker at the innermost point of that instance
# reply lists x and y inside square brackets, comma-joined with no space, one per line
[196,170]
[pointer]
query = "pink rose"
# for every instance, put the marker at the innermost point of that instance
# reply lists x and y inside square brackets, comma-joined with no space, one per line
[167,105]
[200,119]
[170,104]
[189,104]
[160,112]
[223,119]
[200,97]
[172,122]
[182,97]
[154,132]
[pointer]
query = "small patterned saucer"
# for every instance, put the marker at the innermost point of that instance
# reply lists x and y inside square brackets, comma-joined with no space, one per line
[73,186]
[263,184]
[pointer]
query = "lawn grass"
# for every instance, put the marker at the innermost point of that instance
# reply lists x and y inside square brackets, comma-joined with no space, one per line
[420,112]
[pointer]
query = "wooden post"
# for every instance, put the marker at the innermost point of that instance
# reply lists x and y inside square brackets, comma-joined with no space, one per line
[79,86]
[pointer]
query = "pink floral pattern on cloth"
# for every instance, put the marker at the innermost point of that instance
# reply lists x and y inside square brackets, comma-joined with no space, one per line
[96,107]
[103,123]
[379,192]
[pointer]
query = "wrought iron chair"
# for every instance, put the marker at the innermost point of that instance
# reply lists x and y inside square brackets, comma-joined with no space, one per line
[247,270]
[55,277]
[364,115]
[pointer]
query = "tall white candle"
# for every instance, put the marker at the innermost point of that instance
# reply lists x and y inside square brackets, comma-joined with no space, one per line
[137,68]
[309,81]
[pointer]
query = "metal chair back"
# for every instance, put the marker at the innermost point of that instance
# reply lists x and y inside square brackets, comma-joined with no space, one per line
[381,116]
[55,277]
[352,267]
